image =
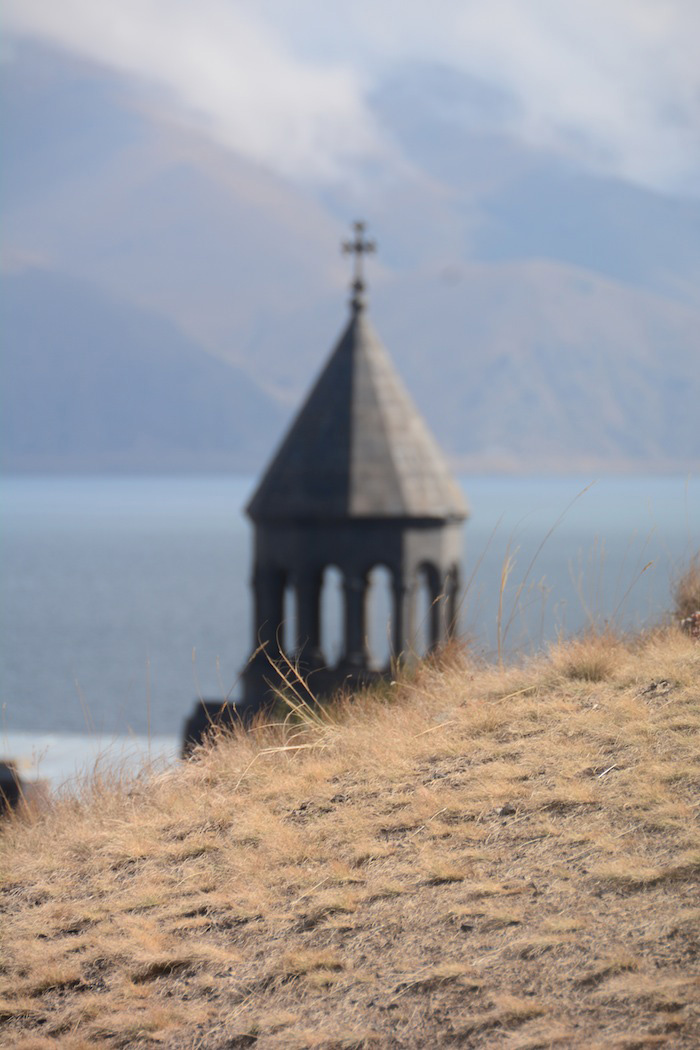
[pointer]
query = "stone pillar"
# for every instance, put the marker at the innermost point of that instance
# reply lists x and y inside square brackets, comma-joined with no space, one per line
[404,617]
[435,620]
[268,597]
[268,592]
[453,586]
[356,654]
[308,594]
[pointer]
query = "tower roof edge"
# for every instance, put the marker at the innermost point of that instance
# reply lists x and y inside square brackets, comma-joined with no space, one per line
[358,448]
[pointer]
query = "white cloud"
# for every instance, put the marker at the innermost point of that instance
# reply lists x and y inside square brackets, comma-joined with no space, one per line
[601,81]
[614,84]
[225,71]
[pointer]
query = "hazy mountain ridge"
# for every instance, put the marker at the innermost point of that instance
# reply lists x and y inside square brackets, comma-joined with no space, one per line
[539,363]
[90,383]
[516,203]
[519,367]
[543,318]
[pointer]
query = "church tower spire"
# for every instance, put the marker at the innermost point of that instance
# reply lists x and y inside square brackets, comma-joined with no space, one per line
[357,483]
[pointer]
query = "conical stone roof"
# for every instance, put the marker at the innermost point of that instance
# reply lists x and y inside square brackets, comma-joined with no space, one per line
[358,447]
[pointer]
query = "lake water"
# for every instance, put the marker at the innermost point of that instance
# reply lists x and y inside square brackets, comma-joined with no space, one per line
[126,598]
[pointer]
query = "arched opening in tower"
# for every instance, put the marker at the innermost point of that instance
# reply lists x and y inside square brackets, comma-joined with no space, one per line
[380,616]
[332,615]
[289,634]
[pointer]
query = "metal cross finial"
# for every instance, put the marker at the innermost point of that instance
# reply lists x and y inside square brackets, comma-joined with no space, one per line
[359,247]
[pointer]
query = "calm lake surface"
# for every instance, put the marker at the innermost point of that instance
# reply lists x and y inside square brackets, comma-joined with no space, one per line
[125,598]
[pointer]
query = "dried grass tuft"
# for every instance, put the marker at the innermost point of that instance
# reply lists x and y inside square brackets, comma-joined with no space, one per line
[592,658]
[686,589]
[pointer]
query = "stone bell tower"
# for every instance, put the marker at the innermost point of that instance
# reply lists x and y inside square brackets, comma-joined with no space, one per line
[357,483]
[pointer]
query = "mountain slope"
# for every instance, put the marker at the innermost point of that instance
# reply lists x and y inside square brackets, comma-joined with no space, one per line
[520,366]
[540,364]
[91,383]
[543,316]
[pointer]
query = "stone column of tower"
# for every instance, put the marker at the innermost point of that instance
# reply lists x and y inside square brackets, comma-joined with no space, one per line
[357,483]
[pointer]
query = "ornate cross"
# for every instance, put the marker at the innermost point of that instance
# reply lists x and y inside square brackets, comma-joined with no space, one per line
[359,247]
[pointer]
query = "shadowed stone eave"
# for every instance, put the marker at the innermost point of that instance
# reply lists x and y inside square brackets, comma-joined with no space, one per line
[358,449]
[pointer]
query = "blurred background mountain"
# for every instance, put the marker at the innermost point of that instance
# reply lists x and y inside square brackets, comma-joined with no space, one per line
[167,298]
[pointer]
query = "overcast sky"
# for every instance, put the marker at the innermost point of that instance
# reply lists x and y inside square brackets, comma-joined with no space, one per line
[612,85]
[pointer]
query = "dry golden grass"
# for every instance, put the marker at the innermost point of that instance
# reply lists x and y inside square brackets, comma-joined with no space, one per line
[686,589]
[473,857]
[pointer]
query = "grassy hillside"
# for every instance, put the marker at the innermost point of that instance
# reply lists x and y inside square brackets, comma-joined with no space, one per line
[476,858]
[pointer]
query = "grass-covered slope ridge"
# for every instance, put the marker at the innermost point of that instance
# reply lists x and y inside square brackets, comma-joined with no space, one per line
[476,858]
